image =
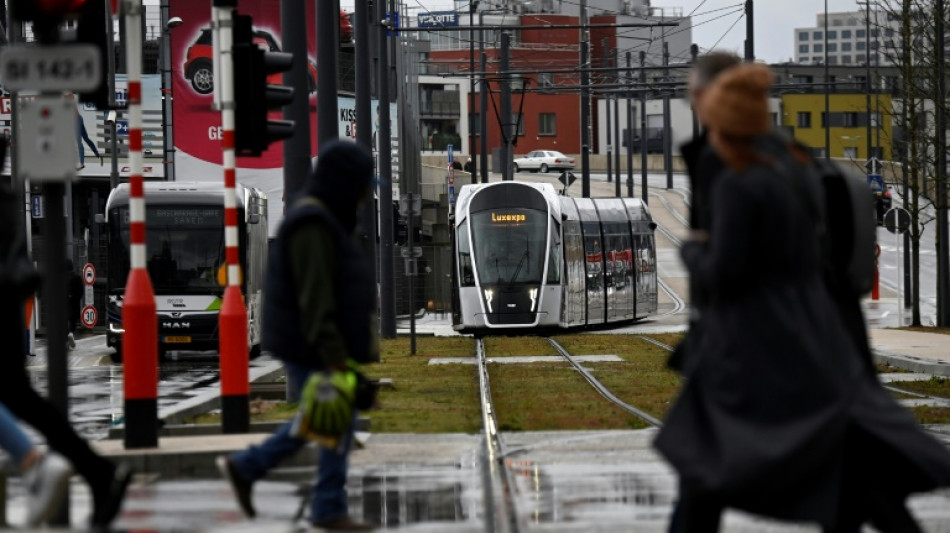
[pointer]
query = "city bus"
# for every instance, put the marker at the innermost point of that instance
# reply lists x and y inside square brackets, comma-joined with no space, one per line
[185,258]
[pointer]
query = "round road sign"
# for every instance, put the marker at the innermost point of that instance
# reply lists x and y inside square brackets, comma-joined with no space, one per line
[89,316]
[897,220]
[88,274]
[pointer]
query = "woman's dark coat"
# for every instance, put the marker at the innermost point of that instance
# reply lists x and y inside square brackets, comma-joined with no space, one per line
[777,402]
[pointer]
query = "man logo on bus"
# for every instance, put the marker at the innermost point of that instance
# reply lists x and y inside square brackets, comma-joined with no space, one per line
[508,218]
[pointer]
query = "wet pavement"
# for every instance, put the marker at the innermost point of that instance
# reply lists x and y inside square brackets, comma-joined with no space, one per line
[565,482]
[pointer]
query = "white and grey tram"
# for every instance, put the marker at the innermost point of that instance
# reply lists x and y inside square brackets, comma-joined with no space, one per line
[526,257]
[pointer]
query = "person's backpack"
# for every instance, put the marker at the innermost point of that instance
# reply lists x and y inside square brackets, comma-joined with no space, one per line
[845,220]
[851,226]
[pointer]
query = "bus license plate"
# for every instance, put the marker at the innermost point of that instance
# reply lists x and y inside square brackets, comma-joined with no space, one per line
[177,339]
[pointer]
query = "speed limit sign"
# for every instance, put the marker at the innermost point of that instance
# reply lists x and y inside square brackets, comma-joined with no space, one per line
[89,316]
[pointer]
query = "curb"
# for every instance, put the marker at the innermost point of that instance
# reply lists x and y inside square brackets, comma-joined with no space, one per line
[937,367]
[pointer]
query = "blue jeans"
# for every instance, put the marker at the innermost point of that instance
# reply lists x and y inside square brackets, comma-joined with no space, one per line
[12,437]
[328,500]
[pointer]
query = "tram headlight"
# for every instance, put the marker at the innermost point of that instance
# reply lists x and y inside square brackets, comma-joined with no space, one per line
[533,293]
[488,296]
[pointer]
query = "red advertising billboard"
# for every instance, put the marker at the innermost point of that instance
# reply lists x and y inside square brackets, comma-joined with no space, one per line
[197,125]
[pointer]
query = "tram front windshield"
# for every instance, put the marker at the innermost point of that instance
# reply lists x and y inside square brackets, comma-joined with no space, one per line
[184,248]
[509,245]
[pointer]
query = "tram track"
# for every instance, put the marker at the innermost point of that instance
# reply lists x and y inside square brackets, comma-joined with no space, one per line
[498,479]
[501,514]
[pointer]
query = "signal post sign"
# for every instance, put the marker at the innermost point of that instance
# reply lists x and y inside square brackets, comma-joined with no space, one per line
[89,315]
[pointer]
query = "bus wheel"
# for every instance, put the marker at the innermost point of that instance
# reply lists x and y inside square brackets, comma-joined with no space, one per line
[116,357]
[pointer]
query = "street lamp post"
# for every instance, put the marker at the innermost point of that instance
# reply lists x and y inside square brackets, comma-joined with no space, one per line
[168,139]
[471,91]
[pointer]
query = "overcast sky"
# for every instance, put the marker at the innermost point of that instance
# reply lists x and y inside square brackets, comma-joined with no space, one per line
[775,21]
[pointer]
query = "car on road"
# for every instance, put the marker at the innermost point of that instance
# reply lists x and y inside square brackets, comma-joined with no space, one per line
[543,161]
[199,62]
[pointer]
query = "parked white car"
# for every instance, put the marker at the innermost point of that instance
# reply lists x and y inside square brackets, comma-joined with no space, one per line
[544,160]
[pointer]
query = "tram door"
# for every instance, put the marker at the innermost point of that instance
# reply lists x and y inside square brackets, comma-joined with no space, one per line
[594,261]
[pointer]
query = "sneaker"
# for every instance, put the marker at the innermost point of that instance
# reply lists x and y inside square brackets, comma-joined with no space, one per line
[342,524]
[107,506]
[71,341]
[47,483]
[240,486]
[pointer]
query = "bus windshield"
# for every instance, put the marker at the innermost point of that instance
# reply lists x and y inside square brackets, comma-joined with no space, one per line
[184,247]
[509,245]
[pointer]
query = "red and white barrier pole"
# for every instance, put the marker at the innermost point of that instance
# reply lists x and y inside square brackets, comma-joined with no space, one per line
[140,340]
[876,286]
[232,321]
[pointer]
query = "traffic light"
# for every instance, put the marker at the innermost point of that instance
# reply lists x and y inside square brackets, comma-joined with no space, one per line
[254,97]
[92,29]
[46,15]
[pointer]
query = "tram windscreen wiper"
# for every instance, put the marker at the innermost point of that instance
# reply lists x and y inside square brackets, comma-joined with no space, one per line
[524,257]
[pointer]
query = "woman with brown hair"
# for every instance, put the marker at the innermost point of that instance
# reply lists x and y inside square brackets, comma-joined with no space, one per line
[778,414]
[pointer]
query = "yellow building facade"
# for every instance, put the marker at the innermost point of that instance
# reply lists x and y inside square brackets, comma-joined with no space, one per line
[803,115]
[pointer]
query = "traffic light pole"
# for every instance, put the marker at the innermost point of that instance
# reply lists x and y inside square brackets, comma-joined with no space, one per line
[232,320]
[297,163]
[140,340]
[328,22]
[387,305]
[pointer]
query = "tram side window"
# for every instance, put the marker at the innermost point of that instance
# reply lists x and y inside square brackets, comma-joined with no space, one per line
[554,257]
[466,276]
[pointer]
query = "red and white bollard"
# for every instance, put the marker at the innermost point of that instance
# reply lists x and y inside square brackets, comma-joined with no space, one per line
[232,321]
[139,319]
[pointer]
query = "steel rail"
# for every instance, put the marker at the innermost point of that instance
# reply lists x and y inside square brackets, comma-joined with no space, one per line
[604,391]
[656,342]
[498,487]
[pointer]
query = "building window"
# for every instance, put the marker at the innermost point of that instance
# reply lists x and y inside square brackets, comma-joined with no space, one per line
[832,60]
[860,45]
[852,22]
[845,60]
[803,36]
[851,152]
[819,48]
[817,35]
[832,47]
[860,58]
[888,32]
[805,59]
[845,34]
[546,79]
[860,34]
[875,32]
[547,124]
[832,34]
[519,120]
[845,47]
[475,120]
[849,120]
[803,49]
[804,119]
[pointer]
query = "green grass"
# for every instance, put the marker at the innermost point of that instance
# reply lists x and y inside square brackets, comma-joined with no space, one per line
[535,396]
[426,399]
[936,386]
[518,346]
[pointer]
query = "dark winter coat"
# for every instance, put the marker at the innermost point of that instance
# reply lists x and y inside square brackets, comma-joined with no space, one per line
[703,166]
[777,398]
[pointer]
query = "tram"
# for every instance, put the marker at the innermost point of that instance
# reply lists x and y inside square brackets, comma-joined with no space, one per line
[527,257]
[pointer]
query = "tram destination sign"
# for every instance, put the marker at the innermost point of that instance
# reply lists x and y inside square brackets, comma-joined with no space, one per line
[64,67]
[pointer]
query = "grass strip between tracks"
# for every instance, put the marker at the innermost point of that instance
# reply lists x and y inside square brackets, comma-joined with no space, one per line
[533,396]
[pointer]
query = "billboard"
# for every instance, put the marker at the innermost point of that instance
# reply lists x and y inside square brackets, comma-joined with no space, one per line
[197,127]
